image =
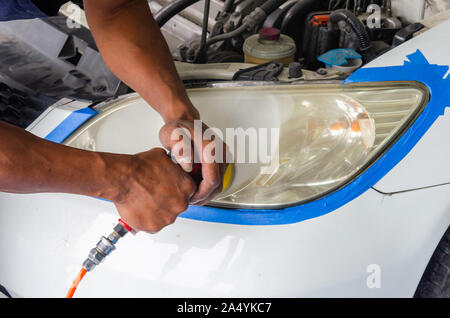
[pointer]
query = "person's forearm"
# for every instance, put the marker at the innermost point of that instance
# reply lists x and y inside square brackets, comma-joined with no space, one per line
[134,49]
[29,164]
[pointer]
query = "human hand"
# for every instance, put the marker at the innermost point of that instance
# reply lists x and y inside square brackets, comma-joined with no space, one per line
[153,190]
[185,138]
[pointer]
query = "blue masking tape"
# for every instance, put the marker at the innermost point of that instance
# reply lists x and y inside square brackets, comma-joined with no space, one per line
[416,69]
[68,125]
[338,57]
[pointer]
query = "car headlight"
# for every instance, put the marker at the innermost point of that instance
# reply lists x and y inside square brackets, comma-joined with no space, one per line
[328,134]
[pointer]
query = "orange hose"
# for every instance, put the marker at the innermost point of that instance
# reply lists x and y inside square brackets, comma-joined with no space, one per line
[75,283]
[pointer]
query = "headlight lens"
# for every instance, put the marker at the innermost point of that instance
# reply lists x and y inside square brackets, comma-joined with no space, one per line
[328,134]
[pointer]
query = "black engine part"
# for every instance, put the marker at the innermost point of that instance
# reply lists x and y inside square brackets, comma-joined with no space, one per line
[406,33]
[318,38]
[294,20]
[264,72]
[275,19]
[358,29]
[171,10]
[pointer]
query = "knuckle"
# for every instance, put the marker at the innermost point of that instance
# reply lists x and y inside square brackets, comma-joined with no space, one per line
[183,206]
[180,206]
[189,185]
[185,184]
[170,219]
[149,224]
[168,127]
[158,152]
[154,226]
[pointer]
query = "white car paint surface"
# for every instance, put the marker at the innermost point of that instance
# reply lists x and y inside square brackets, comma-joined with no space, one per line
[427,164]
[45,238]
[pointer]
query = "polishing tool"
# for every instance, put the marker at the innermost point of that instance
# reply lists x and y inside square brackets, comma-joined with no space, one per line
[228,177]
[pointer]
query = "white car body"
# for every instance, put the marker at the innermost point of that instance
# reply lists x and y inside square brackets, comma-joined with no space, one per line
[377,245]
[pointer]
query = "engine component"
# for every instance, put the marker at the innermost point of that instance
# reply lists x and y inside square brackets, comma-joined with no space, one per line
[270,5]
[343,60]
[194,76]
[367,27]
[406,33]
[382,28]
[308,30]
[228,6]
[269,45]
[298,13]
[365,45]
[251,21]
[172,9]
[275,19]
[201,53]
[318,38]
[295,70]
[264,72]
[225,57]
[222,18]
[242,9]
[293,23]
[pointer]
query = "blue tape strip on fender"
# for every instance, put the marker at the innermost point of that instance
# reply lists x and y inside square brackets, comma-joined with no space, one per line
[417,69]
[68,125]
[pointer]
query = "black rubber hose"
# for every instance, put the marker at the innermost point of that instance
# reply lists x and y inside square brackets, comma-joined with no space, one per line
[275,19]
[365,45]
[300,9]
[169,11]
[271,5]
[201,54]
[228,6]
[267,7]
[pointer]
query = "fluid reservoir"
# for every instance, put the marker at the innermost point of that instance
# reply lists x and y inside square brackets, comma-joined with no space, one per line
[269,46]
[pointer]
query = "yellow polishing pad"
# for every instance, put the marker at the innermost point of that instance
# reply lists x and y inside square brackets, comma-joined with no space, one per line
[228,177]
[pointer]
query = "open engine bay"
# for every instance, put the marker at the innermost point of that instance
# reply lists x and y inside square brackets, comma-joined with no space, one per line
[211,41]
[304,39]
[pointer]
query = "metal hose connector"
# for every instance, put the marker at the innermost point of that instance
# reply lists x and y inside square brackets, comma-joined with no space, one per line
[104,247]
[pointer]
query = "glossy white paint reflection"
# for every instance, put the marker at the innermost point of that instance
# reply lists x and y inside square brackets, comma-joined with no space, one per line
[326,256]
